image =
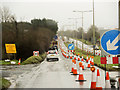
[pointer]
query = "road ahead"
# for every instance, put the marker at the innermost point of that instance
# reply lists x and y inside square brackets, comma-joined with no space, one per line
[55,75]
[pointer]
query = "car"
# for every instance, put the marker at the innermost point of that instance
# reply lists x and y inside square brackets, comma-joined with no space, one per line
[56,47]
[52,55]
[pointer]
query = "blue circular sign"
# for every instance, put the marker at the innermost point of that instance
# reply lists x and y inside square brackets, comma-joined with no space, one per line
[71,46]
[110,42]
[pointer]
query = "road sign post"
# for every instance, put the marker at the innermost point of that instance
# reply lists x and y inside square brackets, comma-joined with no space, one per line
[110,42]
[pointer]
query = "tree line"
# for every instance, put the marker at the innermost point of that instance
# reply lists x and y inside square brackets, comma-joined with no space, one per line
[28,36]
[78,34]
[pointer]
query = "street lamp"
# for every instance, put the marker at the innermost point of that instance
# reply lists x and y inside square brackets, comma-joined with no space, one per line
[82,23]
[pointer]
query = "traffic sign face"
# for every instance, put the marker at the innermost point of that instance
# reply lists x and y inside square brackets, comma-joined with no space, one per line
[71,46]
[35,53]
[110,42]
[10,48]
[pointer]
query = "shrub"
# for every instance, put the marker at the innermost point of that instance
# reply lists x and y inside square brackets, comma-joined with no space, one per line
[33,60]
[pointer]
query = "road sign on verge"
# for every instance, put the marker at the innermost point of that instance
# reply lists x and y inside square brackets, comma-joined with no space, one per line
[71,46]
[10,48]
[110,42]
[35,53]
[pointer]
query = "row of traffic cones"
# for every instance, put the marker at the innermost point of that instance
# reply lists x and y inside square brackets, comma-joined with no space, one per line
[95,82]
[75,72]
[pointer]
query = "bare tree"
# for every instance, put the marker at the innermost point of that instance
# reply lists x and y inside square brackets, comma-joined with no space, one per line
[5,15]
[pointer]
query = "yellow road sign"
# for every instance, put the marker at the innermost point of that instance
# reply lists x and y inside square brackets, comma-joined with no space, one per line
[10,48]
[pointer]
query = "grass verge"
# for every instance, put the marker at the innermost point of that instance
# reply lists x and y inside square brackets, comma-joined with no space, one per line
[30,60]
[96,59]
[4,83]
[2,62]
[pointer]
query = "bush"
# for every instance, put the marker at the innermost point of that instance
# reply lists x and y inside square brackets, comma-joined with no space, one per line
[43,56]
[33,60]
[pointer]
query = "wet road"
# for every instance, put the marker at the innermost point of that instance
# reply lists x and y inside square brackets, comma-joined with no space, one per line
[56,75]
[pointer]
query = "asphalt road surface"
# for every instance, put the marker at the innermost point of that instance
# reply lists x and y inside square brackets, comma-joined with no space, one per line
[56,75]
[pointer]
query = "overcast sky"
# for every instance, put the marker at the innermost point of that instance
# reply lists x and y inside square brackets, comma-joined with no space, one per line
[106,11]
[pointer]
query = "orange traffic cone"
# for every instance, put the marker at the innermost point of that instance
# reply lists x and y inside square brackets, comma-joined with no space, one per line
[92,62]
[78,57]
[19,61]
[75,69]
[72,66]
[107,81]
[87,57]
[70,57]
[74,57]
[90,59]
[82,58]
[98,84]
[81,77]
[82,67]
[88,64]
[93,80]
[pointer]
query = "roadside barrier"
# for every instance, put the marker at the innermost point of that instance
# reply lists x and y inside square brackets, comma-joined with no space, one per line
[93,78]
[98,83]
[107,81]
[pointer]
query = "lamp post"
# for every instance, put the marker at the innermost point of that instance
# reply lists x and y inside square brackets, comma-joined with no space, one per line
[82,23]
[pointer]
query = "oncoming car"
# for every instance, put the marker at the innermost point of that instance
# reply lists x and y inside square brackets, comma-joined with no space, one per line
[52,55]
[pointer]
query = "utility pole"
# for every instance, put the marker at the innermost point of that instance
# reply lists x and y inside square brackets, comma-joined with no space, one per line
[119,21]
[93,30]
[82,23]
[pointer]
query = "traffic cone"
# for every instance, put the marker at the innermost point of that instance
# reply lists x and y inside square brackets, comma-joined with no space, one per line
[107,81]
[82,67]
[19,61]
[92,62]
[70,57]
[98,83]
[87,57]
[81,77]
[72,66]
[90,59]
[75,57]
[78,57]
[88,64]
[75,69]
[93,80]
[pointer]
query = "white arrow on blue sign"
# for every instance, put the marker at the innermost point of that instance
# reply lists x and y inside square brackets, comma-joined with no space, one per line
[71,46]
[110,42]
